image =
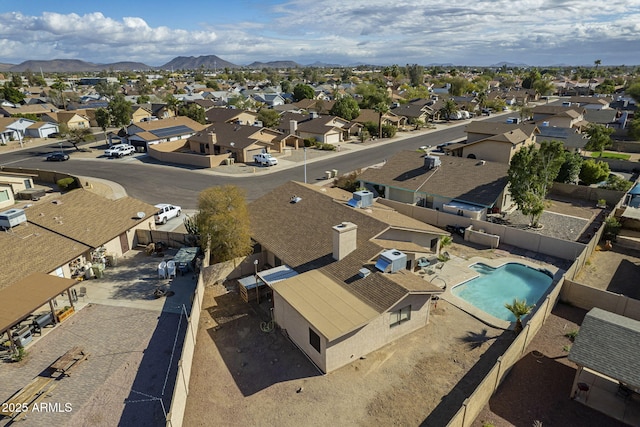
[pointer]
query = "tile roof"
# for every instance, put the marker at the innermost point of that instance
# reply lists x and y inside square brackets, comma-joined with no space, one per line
[224,115]
[459,178]
[497,128]
[608,343]
[87,217]
[301,235]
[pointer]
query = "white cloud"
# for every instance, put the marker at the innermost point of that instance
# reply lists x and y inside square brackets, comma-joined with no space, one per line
[416,31]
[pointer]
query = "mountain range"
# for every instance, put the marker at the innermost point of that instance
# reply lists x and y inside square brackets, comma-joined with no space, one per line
[206,62]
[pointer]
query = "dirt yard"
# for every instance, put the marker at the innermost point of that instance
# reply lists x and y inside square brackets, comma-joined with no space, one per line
[243,376]
[616,270]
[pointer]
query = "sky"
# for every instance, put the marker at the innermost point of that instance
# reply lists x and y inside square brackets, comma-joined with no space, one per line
[344,32]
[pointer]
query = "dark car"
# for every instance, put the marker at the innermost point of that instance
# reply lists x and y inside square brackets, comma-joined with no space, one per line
[57,157]
[54,135]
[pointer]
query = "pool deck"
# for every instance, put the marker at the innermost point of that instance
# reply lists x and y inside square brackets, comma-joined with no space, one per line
[457,270]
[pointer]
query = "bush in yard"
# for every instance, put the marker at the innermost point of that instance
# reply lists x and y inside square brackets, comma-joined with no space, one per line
[66,183]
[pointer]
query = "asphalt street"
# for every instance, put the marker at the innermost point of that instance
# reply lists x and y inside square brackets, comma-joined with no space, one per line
[181,185]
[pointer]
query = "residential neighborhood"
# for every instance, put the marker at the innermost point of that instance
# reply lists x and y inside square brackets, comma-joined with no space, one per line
[470,229]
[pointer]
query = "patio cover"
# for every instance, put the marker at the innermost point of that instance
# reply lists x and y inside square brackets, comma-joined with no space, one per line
[608,343]
[24,297]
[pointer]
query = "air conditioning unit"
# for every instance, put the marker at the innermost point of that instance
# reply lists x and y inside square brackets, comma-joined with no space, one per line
[391,261]
[12,217]
[361,199]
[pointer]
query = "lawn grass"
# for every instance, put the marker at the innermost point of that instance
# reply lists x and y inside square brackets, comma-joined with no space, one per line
[609,155]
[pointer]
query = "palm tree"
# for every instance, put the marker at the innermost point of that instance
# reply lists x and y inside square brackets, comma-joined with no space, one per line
[381,108]
[519,309]
[450,107]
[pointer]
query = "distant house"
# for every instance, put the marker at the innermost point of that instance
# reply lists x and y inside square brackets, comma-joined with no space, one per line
[144,134]
[140,114]
[372,116]
[325,129]
[13,129]
[230,115]
[414,112]
[570,138]
[269,99]
[356,289]
[560,116]
[36,109]
[41,129]
[591,102]
[69,119]
[493,141]
[216,143]
[448,183]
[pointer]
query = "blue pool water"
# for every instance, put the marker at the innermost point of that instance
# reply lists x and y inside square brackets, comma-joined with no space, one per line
[497,286]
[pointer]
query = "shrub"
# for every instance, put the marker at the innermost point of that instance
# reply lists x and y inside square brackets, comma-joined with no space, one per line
[611,229]
[388,131]
[66,183]
[348,182]
[325,147]
[310,142]
[572,335]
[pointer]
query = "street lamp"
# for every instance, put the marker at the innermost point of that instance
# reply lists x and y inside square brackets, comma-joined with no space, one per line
[255,266]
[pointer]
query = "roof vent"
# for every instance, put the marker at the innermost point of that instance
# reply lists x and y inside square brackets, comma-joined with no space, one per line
[481,163]
[140,215]
[364,272]
[295,199]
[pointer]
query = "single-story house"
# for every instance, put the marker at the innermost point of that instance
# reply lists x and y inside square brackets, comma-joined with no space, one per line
[494,142]
[13,128]
[144,134]
[355,290]
[560,116]
[41,129]
[459,185]
[59,235]
[591,102]
[70,119]
[36,109]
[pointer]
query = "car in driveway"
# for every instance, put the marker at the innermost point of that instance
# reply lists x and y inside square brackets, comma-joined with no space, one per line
[166,212]
[57,157]
[120,150]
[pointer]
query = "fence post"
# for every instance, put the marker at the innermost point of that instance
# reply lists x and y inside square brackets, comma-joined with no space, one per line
[464,413]
[499,363]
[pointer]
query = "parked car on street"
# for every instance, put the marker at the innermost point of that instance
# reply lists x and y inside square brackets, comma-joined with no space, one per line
[265,159]
[57,157]
[120,150]
[166,212]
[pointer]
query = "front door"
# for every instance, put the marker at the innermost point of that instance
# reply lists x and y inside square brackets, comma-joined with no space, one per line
[124,243]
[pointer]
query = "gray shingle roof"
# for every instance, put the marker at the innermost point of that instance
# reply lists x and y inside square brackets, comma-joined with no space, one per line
[608,343]
[457,178]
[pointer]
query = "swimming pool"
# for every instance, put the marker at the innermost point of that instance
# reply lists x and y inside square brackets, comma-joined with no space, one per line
[497,286]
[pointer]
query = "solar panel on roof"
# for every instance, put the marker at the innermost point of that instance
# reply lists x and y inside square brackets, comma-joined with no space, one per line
[173,130]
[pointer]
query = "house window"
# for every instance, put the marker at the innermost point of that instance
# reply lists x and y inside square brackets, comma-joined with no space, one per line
[314,340]
[400,316]
[4,195]
[27,183]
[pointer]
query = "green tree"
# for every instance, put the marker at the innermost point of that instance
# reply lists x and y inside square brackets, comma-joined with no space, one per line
[634,91]
[519,308]
[194,112]
[103,118]
[269,118]
[76,136]
[570,170]
[381,108]
[599,137]
[416,74]
[533,76]
[634,129]
[172,103]
[16,80]
[285,86]
[543,87]
[614,182]
[531,174]
[593,171]
[459,86]
[372,95]
[302,91]
[143,99]
[345,107]
[11,94]
[223,221]
[120,110]
[107,89]
[449,108]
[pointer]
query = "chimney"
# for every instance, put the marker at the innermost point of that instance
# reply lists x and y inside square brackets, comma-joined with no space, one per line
[293,127]
[344,239]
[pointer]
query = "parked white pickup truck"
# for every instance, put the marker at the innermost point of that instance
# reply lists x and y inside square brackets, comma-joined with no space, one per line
[265,159]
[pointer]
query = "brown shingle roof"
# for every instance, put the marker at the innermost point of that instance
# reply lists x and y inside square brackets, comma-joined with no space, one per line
[459,178]
[301,235]
[28,248]
[89,218]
